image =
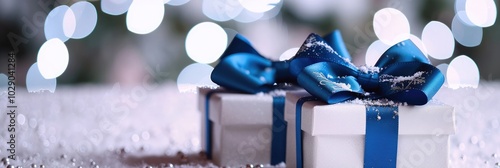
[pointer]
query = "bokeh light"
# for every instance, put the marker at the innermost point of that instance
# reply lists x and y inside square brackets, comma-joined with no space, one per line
[243,11]
[374,51]
[274,11]
[115,7]
[289,54]
[58,23]
[35,82]
[221,10]
[391,26]
[462,72]
[444,68]
[194,76]
[52,58]
[438,40]
[85,17]
[482,13]
[206,42]
[247,16]
[460,11]
[259,6]
[177,2]
[465,34]
[3,83]
[69,23]
[231,33]
[418,42]
[144,17]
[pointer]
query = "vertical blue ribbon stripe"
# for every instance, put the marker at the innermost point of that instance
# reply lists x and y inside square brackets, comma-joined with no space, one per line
[381,138]
[298,128]
[278,143]
[208,123]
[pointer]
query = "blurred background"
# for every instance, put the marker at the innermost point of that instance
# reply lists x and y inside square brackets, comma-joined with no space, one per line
[125,41]
[125,61]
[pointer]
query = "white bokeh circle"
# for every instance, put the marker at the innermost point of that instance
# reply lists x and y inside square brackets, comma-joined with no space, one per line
[115,7]
[259,6]
[288,54]
[35,82]
[374,51]
[59,24]
[206,42]
[482,13]
[465,34]
[391,26]
[193,76]
[53,58]
[145,16]
[462,72]
[438,40]
[85,19]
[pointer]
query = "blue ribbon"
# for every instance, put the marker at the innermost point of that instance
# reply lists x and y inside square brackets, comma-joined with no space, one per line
[405,74]
[323,68]
[278,141]
[242,68]
[381,136]
[208,123]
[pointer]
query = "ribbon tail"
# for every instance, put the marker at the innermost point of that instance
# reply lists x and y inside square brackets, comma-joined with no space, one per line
[412,82]
[320,80]
[239,44]
[335,40]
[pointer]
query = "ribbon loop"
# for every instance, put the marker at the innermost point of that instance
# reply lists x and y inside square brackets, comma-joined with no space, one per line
[402,74]
[242,68]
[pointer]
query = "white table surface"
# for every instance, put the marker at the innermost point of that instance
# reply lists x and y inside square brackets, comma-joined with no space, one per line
[142,125]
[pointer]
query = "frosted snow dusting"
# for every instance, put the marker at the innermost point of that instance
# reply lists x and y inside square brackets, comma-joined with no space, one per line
[369,69]
[398,82]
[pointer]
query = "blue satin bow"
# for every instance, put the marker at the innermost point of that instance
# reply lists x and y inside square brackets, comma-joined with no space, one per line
[402,74]
[242,68]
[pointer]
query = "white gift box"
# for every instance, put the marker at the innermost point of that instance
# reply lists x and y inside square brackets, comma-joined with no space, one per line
[241,127]
[334,135]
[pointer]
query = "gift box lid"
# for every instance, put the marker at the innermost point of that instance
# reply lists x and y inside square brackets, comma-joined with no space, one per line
[319,118]
[238,108]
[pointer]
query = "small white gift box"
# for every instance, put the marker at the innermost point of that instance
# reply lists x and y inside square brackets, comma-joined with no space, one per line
[242,127]
[334,135]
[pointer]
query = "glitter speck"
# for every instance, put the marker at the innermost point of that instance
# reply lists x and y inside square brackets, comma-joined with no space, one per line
[461,146]
[474,140]
[145,135]
[135,138]
[263,79]
[482,144]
